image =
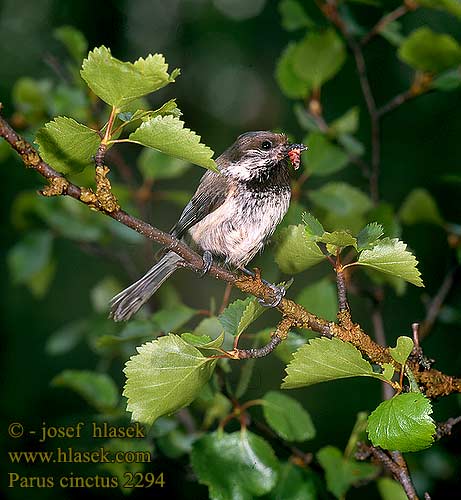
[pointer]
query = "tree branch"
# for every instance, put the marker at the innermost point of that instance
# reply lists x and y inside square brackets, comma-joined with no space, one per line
[434,382]
[393,462]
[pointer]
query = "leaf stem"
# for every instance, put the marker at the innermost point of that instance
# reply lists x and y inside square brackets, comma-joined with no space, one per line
[110,124]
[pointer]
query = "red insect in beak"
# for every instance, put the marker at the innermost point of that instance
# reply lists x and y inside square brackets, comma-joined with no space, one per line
[294,153]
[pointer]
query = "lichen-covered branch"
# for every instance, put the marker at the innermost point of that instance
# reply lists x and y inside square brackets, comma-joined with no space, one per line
[434,382]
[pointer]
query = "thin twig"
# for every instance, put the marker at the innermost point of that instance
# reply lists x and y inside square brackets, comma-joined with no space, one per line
[384,21]
[342,290]
[395,102]
[393,462]
[445,428]
[436,304]
[226,297]
[331,12]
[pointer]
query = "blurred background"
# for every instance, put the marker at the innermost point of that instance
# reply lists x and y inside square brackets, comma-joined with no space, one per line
[227,51]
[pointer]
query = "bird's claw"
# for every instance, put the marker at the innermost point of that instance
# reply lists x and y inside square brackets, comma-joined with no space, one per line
[279,293]
[207,259]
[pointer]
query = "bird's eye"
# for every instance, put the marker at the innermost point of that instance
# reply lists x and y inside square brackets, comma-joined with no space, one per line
[266,145]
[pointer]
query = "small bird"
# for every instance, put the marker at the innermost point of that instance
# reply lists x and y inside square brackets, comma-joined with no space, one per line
[231,215]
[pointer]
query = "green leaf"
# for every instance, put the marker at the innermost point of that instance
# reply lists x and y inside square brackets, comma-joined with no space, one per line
[429,51]
[40,282]
[369,235]
[318,57]
[340,472]
[196,340]
[388,371]
[30,256]
[320,298]
[448,80]
[176,443]
[294,483]
[295,252]
[169,108]
[209,326]
[341,199]
[313,225]
[351,145]
[244,465]
[173,317]
[294,16]
[290,82]
[391,256]
[346,124]
[239,315]
[402,423]
[402,350]
[118,83]
[305,120]
[392,32]
[451,6]
[204,341]
[397,284]
[5,149]
[287,418]
[340,239]
[98,389]
[384,215]
[68,146]
[66,338]
[30,97]
[322,360]
[358,433]
[74,41]
[324,157]
[102,292]
[218,408]
[155,165]
[420,206]
[389,489]
[168,135]
[166,375]
[126,468]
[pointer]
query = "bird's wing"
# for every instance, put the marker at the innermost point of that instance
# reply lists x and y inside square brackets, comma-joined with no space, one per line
[210,194]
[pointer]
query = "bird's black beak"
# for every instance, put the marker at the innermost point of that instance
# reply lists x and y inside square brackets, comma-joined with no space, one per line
[300,147]
[294,153]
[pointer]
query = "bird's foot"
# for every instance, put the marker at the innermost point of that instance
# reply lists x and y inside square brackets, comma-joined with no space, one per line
[279,293]
[279,290]
[207,259]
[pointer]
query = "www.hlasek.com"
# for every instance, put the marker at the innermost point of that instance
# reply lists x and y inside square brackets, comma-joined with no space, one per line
[72,480]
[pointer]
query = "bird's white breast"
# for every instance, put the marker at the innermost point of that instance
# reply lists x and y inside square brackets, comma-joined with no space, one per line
[238,228]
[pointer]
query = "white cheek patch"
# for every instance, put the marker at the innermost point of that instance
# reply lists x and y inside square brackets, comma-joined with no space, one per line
[245,168]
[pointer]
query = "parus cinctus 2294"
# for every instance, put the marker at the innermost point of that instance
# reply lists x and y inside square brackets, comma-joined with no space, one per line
[230,216]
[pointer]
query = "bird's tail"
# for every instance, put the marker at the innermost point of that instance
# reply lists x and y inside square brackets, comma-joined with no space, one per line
[130,300]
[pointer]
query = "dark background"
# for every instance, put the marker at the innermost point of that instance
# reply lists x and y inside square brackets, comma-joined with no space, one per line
[227,87]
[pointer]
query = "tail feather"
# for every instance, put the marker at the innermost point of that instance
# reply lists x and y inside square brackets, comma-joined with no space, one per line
[129,301]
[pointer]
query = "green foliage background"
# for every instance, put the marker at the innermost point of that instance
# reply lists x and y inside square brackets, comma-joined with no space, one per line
[227,86]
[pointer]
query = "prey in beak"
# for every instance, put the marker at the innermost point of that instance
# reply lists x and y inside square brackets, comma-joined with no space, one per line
[294,153]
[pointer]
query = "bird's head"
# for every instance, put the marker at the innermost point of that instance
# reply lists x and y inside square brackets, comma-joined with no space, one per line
[259,155]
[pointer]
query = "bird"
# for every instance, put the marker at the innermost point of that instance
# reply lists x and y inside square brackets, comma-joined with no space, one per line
[230,217]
